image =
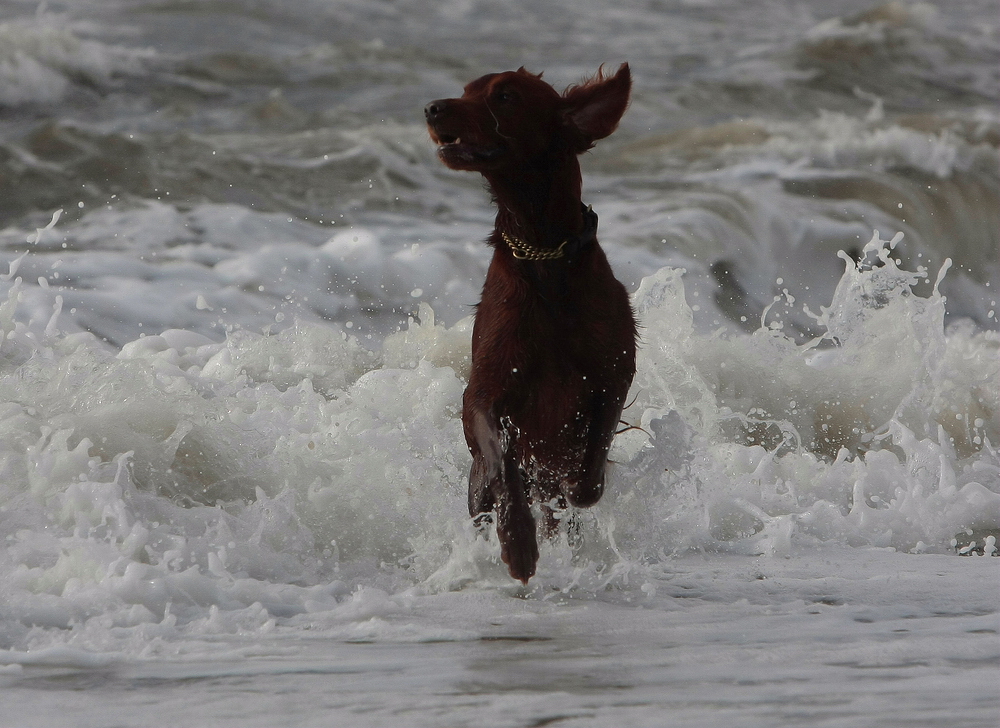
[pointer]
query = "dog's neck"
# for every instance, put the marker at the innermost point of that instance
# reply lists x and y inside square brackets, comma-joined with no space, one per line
[540,207]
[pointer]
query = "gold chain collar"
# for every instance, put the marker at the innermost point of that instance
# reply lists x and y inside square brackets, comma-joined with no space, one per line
[523,251]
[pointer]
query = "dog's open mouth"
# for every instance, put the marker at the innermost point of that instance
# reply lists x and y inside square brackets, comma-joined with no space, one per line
[456,151]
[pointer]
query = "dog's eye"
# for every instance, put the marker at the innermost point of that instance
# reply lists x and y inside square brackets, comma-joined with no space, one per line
[506,96]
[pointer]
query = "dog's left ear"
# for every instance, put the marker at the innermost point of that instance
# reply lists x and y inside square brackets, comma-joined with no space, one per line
[595,107]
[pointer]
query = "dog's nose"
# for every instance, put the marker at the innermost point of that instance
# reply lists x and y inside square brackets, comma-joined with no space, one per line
[435,108]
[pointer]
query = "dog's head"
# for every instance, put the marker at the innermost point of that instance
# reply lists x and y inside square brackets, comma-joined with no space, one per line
[515,118]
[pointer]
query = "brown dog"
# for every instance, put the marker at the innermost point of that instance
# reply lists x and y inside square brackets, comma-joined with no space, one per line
[553,346]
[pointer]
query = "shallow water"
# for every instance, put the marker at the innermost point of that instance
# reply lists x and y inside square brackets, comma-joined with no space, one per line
[232,470]
[838,637]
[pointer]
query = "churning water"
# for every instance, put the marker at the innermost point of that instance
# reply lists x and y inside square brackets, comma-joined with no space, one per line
[235,328]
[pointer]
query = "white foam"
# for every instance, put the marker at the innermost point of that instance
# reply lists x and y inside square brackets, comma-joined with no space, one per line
[40,56]
[184,475]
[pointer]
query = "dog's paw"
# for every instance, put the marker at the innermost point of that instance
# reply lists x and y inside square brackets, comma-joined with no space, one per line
[582,494]
[519,546]
[520,559]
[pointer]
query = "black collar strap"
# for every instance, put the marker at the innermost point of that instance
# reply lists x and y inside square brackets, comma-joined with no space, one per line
[567,248]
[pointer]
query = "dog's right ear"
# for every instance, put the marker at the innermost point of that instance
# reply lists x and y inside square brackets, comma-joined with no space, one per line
[595,107]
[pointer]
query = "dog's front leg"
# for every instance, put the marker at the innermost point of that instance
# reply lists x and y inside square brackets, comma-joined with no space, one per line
[515,524]
[495,482]
[585,487]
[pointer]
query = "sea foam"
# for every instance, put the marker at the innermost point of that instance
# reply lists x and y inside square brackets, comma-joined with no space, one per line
[187,477]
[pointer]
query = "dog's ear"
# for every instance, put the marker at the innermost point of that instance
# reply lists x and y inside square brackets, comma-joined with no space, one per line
[595,107]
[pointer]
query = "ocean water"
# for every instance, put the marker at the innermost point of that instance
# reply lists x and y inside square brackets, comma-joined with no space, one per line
[235,298]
